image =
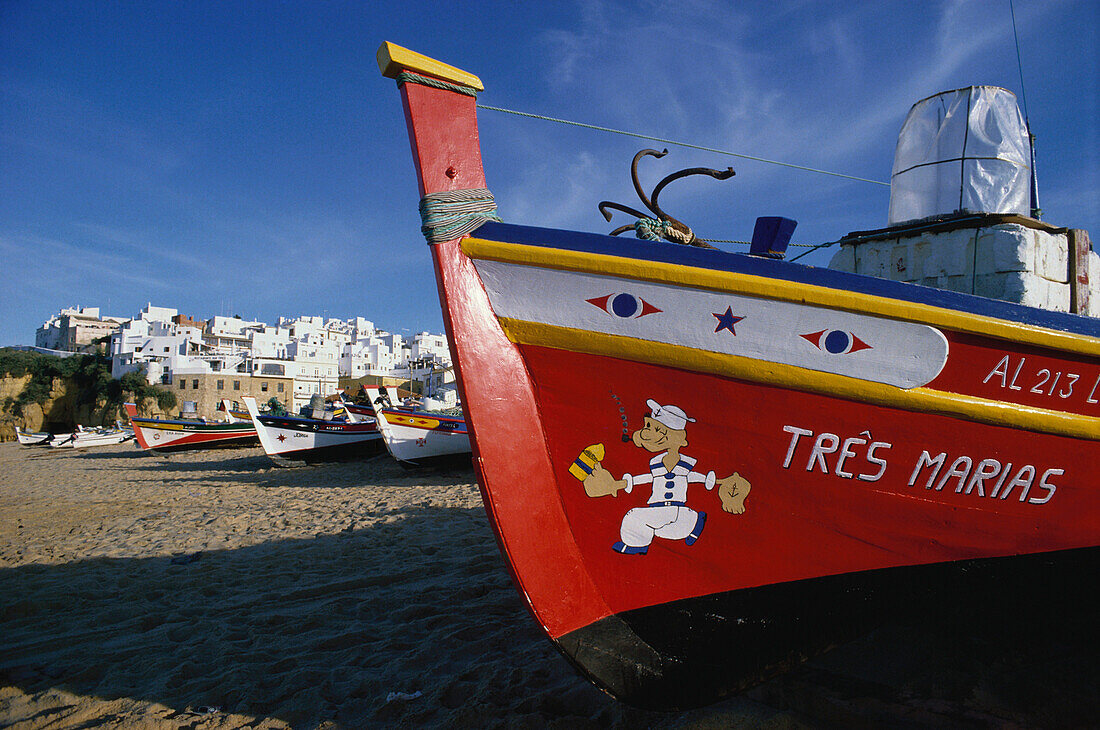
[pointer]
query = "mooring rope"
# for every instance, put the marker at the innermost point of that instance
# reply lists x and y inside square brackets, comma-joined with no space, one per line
[452,214]
[415,78]
[749,243]
[679,144]
[409,76]
[449,215]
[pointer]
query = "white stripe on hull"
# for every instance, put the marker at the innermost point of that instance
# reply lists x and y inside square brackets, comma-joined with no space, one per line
[903,354]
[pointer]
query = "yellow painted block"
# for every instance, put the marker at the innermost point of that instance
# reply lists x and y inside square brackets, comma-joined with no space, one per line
[583,465]
[393,59]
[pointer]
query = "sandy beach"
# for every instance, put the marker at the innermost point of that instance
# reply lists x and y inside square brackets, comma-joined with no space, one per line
[214,590]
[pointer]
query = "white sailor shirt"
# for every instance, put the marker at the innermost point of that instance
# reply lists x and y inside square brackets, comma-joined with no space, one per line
[669,487]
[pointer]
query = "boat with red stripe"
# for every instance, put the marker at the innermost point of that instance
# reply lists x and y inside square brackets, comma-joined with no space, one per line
[703,467]
[185,434]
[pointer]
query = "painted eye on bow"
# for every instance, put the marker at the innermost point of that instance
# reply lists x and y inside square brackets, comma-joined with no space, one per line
[836,342]
[624,306]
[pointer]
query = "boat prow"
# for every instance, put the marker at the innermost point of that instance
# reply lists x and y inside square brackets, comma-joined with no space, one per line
[703,467]
[294,440]
[418,438]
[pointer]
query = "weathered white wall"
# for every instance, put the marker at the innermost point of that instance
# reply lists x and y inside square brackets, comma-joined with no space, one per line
[1007,261]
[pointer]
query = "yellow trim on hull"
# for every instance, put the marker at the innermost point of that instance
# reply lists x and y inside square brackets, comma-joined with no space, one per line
[766,288]
[413,421]
[922,400]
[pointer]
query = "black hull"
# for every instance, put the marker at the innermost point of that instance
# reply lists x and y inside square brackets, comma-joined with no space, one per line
[696,651]
[208,445]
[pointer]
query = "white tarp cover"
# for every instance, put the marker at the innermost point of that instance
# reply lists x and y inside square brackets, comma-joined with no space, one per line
[962,150]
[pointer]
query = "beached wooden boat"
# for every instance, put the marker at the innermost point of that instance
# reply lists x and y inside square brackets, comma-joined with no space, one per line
[893,436]
[290,440]
[85,438]
[182,434]
[34,438]
[421,438]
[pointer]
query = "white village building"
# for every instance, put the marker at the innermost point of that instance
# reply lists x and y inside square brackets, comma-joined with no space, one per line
[76,329]
[154,341]
[312,352]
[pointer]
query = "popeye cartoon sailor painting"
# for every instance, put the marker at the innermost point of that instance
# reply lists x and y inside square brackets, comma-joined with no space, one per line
[666,513]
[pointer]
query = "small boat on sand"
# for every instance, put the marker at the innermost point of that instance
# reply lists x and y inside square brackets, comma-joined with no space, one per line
[183,434]
[318,437]
[85,438]
[34,438]
[418,437]
[624,396]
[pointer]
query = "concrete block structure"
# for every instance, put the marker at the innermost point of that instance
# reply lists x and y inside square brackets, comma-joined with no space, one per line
[964,211]
[1008,257]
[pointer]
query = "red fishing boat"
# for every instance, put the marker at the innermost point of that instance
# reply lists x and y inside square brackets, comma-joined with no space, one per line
[186,434]
[703,467]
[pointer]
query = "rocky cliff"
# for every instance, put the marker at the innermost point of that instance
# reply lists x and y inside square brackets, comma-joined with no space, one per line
[60,412]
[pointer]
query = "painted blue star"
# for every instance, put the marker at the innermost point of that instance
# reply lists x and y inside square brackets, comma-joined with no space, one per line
[726,321]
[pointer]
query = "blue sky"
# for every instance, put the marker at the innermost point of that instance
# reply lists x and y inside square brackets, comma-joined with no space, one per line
[247,157]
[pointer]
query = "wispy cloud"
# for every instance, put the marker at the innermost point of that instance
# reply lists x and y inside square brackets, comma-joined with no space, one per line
[60,266]
[102,239]
[722,84]
[59,123]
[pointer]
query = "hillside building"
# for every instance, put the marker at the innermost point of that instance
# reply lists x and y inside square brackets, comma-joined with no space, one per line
[229,357]
[76,329]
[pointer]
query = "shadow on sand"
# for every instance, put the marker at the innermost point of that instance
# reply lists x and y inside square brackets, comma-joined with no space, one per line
[248,466]
[300,630]
[325,628]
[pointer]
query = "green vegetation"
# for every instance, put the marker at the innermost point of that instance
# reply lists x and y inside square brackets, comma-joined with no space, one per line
[91,374]
[134,383]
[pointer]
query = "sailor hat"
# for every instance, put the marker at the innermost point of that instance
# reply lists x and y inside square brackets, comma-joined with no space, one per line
[671,416]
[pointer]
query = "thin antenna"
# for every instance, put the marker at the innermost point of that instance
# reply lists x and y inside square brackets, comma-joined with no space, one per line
[1019,64]
[1036,211]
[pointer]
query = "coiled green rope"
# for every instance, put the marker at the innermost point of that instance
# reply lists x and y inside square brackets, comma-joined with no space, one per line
[452,214]
[415,78]
[651,229]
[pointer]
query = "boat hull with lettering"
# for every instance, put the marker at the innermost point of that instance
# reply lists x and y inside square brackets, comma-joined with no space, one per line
[164,435]
[703,467]
[291,440]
